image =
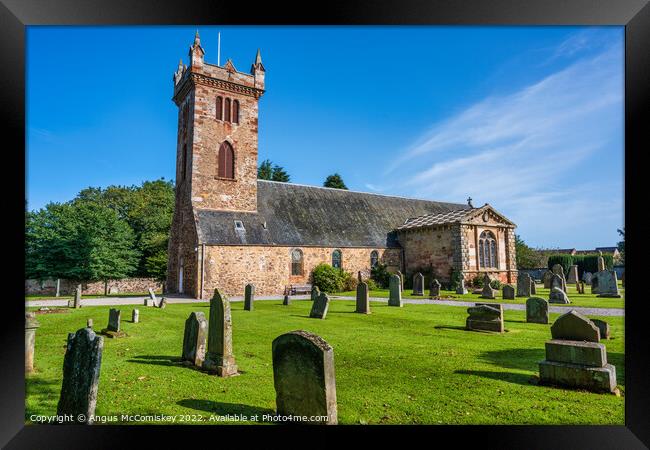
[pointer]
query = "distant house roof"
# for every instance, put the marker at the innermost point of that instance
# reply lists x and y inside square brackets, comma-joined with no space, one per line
[448,217]
[297,215]
[607,249]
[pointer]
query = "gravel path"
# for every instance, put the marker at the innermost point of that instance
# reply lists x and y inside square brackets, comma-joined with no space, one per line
[111,301]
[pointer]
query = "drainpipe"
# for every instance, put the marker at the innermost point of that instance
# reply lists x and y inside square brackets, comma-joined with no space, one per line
[202,269]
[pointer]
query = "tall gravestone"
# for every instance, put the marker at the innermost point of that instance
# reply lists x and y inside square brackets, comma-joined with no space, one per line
[81,365]
[601,263]
[401,280]
[546,279]
[418,284]
[113,329]
[523,285]
[461,289]
[573,274]
[135,316]
[395,291]
[558,282]
[434,289]
[485,317]
[194,339]
[249,297]
[77,297]
[607,284]
[557,295]
[31,324]
[533,287]
[575,357]
[536,310]
[303,376]
[508,292]
[363,299]
[320,306]
[286,301]
[219,358]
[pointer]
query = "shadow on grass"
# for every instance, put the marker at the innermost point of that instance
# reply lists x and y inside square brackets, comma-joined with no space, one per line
[224,408]
[510,377]
[40,392]
[157,360]
[449,327]
[515,358]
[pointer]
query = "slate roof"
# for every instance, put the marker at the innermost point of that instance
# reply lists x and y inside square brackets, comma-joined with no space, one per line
[298,215]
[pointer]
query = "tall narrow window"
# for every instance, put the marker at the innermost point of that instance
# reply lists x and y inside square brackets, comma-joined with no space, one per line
[219,108]
[226,161]
[487,245]
[336,259]
[235,111]
[374,258]
[226,112]
[296,262]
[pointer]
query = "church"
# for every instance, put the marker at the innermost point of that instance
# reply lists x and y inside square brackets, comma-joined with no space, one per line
[230,229]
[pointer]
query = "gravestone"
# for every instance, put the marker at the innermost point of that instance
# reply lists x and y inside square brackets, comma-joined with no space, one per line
[89,323]
[558,282]
[546,279]
[135,316]
[162,303]
[508,292]
[607,284]
[315,293]
[363,300]
[558,296]
[575,357]
[557,269]
[194,339]
[286,301]
[152,300]
[487,291]
[594,283]
[401,280]
[359,279]
[249,297]
[303,376]
[320,306]
[573,274]
[395,291]
[219,358]
[580,287]
[418,284]
[77,297]
[536,310]
[586,277]
[461,289]
[31,324]
[485,317]
[434,289]
[603,328]
[113,329]
[81,365]
[533,287]
[523,285]
[601,263]
[623,279]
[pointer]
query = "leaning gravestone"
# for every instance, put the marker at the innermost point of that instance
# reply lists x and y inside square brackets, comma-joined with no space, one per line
[395,291]
[320,306]
[461,289]
[523,285]
[194,339]
[162,303]
[508,292]
[219,358]
[152,300]
[81,364]
[558,296]
[135,316]
[401,280]
[546,279]
[31,324]
[573,274]
[607,284]
[303,376]
[113,329]
[418,284]
[558,282]
[575,357]
[536,310]
[249,297]
[363,300]
[485,317]
[434,289]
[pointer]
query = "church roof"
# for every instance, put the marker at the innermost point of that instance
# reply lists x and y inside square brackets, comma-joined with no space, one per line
[297,215]
[448,217]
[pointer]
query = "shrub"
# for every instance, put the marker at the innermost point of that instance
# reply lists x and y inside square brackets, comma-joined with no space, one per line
[380,275]
[372,284]
[349,281]
[454,279]
[495,284]
[327,278]
[477,281]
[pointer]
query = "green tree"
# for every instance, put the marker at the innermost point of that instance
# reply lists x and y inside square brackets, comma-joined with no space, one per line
[265,170]
[528,258]
[335,181]
[621,245]
[279,174]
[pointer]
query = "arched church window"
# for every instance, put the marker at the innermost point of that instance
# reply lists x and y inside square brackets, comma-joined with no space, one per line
[226,161]
[227,111]
[296,262]
[487,250]
[235,111]
[374,258]
[336,259]
[219,108]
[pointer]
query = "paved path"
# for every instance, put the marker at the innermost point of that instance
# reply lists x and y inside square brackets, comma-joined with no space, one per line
[111,301]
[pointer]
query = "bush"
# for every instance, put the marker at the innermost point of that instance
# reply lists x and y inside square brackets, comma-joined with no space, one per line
[585,263]
[349,281]
[477,281]
[454,279]
[327,278]
[380,275]
[372,284]
[495,284]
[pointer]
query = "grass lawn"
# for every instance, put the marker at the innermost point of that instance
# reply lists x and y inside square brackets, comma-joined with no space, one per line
[410,365]
[586,300]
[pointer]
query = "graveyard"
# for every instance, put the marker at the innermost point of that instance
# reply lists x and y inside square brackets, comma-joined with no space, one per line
[416,364]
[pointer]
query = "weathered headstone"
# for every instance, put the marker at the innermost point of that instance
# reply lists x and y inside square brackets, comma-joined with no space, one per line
[533,287]
[249,297]
[461,289]
[586,277]
[31,324]
[536,310]
[580,287]
[315,293]
[113,329]
[523,285]
[81,365]
[303,376]
[418,284]
[487,291]
[601,263]
[607,284]
[558,282]
[603,327]
[395,291]
[557,269]
[558,296]
[77,297]
[401,280]
[363,299]
[89,323]
[508,292]
[135,316]
[219,358]
[485,317]
[573,274]
[546,279]
[286,301]
[320,306]
[575,357]
[434,289]
[153,301]
[162,303]
[194,339]
[72,299]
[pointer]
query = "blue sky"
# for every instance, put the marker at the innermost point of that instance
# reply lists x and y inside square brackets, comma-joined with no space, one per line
[528,119]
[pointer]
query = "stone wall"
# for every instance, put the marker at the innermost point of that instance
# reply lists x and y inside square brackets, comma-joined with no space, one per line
[427,247]
[269,268]
[66,287]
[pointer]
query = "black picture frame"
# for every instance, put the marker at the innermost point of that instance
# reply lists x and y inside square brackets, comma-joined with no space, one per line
[633,14]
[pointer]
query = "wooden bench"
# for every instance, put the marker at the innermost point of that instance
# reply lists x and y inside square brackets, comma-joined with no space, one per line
[295,289]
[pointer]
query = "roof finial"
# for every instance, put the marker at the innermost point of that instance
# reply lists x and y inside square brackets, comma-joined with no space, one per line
[469,202]
[258,57]
[197,39]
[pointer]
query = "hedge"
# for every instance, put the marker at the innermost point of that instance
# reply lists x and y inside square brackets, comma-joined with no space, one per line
[585,263]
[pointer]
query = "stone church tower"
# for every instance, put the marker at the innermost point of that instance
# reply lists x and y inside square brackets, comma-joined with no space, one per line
[216,156]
